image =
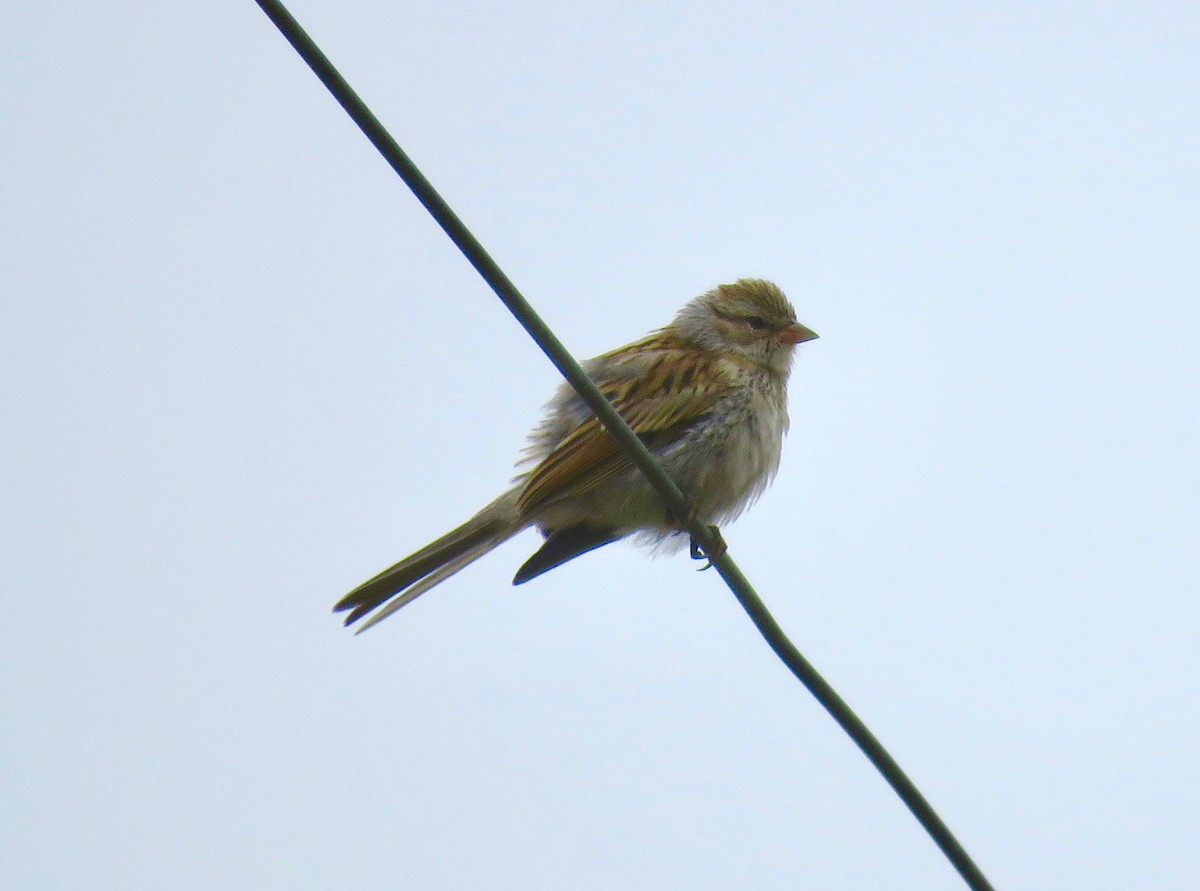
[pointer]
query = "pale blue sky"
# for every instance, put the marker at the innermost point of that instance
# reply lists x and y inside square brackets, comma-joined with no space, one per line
[245,371]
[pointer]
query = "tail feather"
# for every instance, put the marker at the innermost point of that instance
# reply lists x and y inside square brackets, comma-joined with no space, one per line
[375,591]
[415,590]
[433,563]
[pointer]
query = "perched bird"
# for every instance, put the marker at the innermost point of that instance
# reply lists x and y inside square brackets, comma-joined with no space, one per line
[707,394]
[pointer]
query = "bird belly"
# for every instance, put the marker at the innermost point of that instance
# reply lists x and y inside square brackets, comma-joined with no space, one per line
[722,465]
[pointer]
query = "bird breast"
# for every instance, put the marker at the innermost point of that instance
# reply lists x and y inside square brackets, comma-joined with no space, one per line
[735,453]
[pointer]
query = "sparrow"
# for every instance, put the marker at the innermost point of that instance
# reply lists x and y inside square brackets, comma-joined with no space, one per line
[707,394]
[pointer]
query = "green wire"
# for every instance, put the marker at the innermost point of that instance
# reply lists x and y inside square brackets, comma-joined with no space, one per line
[677,503]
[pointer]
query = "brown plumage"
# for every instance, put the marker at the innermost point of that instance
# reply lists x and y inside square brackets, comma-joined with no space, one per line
[707,394]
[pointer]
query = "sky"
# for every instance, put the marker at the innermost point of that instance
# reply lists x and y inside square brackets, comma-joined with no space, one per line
[244,371]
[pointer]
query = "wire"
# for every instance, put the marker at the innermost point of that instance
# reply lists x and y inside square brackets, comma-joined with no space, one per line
[707,537]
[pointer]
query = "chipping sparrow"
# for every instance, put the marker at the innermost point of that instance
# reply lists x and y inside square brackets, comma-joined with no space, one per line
[708,396]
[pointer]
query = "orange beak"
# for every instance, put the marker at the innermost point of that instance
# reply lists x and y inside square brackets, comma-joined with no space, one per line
[795,334]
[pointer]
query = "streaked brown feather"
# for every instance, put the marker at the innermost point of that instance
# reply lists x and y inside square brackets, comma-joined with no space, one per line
[655,403]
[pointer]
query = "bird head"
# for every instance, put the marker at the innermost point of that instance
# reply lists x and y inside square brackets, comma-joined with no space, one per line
[750,317]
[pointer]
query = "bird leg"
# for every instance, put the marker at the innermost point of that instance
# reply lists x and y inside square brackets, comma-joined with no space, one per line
[716,552]
[696,549]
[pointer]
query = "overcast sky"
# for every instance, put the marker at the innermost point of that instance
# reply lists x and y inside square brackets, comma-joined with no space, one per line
[244,371]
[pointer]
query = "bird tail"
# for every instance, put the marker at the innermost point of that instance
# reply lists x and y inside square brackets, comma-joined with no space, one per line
[433,564]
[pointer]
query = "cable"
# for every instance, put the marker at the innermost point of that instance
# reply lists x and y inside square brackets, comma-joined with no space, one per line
[707,537]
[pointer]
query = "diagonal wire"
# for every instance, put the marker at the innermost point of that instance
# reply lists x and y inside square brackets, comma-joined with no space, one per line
[707,537]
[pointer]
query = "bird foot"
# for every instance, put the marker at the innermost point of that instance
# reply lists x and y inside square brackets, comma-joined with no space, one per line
[696,548]
[717,551]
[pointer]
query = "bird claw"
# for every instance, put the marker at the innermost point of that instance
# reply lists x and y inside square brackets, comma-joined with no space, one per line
[696,549]
[698,552]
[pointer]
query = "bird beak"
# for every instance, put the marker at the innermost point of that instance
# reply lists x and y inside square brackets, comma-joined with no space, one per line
[794,334]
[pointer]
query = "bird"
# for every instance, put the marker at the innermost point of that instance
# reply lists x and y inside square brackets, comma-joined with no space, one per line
[707,394]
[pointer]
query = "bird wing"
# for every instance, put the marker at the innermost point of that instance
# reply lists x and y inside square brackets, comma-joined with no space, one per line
[670,396]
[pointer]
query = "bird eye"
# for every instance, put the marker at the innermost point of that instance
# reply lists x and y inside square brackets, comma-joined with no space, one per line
[758,323]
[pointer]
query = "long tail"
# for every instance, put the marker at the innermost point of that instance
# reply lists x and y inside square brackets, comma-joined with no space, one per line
[433,564]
